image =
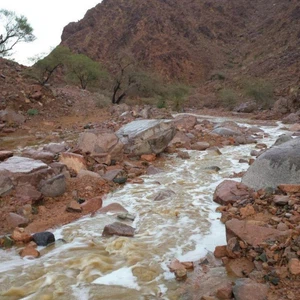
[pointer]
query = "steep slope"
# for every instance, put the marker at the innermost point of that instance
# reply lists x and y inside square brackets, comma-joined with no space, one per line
[190,39]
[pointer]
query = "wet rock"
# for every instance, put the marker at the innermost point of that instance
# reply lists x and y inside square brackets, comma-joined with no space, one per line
[15,220]
[21,235]
[226,132]
[213,168]
[117,176]
[43,238]
[98,142]
[244,140]
[164,195]
[251,233]
[200,146]
[225,292]
[92,205]
[183,155]
[247,289]
[5,154]
[151,170]
[229,191]
[113,208]
[44,156]
[56,147]
[6,185]
[233,248]
[53,187]
[239,267]
[278,165]
[126,216]
[294,266]
[178,269]
[119,229]
[6,242]
[220,251]
[74,162]
[59,168]
[30,250]
[295,127]
[74,206]
[146,136]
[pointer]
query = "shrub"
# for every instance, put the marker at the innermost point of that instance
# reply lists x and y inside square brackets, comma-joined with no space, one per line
[102,100]
[228,97]
[32,112]
[261,91]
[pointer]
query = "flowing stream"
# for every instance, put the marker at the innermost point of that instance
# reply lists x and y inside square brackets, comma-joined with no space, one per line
[89,266]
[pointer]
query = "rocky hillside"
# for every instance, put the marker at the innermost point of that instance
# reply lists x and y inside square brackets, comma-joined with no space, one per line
[191,40]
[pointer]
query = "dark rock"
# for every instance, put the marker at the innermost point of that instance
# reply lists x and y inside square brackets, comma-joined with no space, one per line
[118,228]
[164,195]
[43,238]
[5,154]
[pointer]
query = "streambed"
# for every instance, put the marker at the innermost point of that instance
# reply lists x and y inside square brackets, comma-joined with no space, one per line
[89,266]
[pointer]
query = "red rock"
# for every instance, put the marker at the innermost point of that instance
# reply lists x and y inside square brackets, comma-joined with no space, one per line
[92,205]
[5,154]
[75,162]
[247,289]
[247,211]
[220,251]
[175,265]
[229,191]
[119,229]
[281,200]
[148,157]
[290,188]
[251,233]
[21,235]
[239,267]
[200,146]
[294,266]
[74,206]
[233,248]
[114,208]
[225,292]
[185,122]
[30,250]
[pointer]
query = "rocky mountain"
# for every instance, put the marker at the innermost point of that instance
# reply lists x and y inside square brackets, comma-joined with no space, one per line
[191,40]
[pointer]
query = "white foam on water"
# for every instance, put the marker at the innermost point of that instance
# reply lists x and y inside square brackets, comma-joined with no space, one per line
[80,292]
[121,277]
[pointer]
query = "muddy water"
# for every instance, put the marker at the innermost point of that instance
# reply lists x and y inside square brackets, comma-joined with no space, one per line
[89,266]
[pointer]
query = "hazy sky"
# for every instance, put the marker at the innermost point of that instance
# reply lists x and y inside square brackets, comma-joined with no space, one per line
[48,19]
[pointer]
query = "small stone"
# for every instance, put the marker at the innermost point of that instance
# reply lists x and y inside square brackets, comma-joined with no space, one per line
[125,216]
[21,235]
[247,211]
[290,188]
[183,155]
[6,242]
[181,274]
[148,157]
[294,266]
[281,200]
[220,251]
[5,154]
[29,250]
[247,289]
[113,208]
[92,205]
[282,227]
[74,206]
[225,292]
[43,238]
[15,220]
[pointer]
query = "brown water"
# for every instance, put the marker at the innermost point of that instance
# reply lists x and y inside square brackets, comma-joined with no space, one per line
[89,266]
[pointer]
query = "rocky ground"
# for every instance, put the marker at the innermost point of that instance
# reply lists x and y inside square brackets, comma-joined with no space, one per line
[262,227]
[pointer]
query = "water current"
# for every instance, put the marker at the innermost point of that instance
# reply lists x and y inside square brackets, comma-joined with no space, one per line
[89,266]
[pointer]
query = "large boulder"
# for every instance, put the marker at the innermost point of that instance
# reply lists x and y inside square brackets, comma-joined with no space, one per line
[278,165]
[101,143]
[146,136]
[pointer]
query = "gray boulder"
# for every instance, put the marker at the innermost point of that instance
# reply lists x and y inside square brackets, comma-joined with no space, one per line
[146,136]
[278,165]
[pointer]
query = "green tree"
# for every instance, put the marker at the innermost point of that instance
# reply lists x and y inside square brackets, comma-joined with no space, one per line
[84,70]
[13,30]
[44,68]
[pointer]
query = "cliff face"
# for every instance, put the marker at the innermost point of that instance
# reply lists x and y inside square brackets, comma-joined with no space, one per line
[189,39]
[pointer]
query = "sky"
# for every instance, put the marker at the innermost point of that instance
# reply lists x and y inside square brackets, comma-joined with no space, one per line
[48,18]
